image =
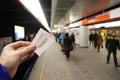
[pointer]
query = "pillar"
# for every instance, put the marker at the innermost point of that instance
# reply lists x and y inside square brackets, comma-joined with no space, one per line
[84,38]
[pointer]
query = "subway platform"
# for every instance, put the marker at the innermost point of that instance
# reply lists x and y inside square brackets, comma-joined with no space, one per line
[84,64]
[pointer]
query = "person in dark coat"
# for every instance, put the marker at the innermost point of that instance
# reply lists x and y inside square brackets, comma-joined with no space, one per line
[100,41]
[91,39]
[67,43]
[73,39]
[95,39]
[112,44]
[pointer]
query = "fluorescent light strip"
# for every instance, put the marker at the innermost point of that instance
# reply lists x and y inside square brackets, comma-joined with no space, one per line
[109,24]
[35,8]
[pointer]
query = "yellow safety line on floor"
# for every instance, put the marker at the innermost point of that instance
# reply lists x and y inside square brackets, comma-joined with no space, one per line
[42,70]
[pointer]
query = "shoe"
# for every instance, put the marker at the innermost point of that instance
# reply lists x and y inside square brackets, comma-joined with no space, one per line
[67,59]
[117,65]
[108,62]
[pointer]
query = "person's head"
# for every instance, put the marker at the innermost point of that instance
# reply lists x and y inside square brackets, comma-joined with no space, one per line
[66,35]
[113,33]
[91,32]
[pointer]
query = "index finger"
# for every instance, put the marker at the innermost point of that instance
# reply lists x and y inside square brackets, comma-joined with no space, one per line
[19,44]
[26,50]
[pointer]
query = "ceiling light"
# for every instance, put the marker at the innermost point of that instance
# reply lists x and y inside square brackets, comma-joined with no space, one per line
[35,8]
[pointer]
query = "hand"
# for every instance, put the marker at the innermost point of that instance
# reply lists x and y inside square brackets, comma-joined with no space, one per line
[15,53]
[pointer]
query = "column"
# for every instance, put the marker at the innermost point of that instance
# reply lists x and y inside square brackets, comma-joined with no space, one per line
[84,38]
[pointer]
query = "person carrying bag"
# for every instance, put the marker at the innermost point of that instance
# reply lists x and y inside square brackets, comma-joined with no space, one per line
[67,46]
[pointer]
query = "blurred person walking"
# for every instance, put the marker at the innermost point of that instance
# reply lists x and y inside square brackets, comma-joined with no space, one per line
[91,39]
[72,37]
[95,39]
[67,44]
[56,36]
[112,44]
[100,41]
[61,37]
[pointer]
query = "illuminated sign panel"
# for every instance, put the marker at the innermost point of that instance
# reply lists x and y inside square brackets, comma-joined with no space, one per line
[97,19]
[19,32]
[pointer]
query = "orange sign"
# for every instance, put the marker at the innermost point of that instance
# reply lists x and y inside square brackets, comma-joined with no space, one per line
[97,19]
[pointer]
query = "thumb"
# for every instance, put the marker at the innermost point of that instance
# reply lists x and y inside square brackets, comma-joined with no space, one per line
[27,50]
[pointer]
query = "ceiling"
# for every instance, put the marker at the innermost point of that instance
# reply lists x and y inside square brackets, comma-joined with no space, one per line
[82,8]
[46,6]
[59,9]
[11,11]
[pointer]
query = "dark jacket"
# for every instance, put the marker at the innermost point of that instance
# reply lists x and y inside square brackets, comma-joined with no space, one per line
[72,38]
[67,42]
[91,37]
[112,43]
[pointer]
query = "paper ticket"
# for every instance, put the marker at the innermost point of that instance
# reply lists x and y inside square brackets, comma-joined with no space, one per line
[42,41]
